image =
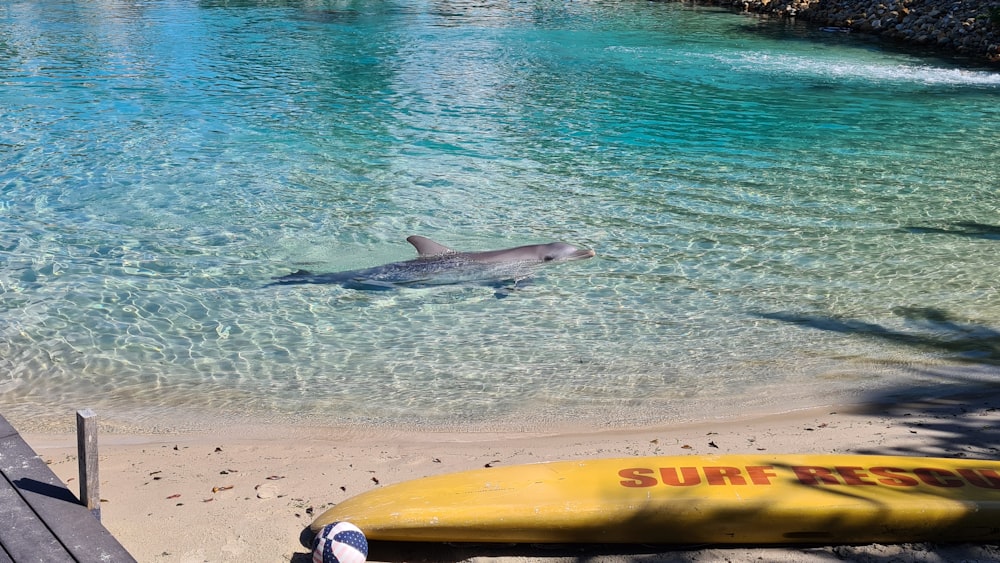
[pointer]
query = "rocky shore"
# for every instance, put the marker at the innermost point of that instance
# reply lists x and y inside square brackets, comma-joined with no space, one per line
[969,28]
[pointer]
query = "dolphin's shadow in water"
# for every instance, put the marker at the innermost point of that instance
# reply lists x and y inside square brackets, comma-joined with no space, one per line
[359,280]
[437,265]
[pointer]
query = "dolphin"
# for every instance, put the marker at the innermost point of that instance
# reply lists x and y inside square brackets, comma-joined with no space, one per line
[436,264]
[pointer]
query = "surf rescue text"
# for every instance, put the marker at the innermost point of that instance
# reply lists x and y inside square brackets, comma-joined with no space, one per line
[687,476]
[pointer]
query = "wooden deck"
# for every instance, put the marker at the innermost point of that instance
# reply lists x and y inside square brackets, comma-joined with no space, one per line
[40,519]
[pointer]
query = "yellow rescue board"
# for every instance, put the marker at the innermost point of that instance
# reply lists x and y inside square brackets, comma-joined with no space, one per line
[725,499]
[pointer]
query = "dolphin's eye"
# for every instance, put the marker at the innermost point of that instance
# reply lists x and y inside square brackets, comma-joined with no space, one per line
[548,258]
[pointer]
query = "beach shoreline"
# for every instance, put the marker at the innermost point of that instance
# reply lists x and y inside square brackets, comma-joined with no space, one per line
[245,493]
[851,381]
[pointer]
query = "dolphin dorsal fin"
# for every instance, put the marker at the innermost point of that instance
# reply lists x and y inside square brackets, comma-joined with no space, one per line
[427,247]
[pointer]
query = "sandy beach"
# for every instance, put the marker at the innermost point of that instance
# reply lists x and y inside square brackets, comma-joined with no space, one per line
[248,493]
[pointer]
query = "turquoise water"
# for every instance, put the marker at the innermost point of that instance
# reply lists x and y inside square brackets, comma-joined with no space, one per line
[781,216]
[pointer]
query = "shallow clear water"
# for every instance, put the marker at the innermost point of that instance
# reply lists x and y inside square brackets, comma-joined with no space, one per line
[781,216]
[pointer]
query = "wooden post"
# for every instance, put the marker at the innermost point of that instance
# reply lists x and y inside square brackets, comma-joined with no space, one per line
[86,446]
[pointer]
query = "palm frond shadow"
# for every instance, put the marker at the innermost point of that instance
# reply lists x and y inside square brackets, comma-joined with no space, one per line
[965,229]
[944,408]
[935,330]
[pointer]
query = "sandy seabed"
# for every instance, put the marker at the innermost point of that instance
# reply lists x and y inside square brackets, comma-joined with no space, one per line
[248,494]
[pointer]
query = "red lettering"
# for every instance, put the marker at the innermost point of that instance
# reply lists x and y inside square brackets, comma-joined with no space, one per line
[853,475]
[760,474]
[719,476]
[891,476]
[812,475]
[640,477]
[637,477]
[688,477]
[938,477]
[985,478]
